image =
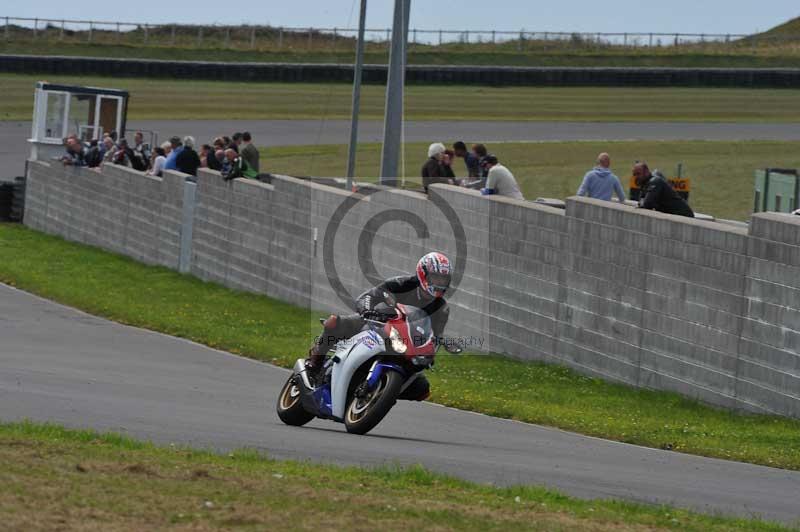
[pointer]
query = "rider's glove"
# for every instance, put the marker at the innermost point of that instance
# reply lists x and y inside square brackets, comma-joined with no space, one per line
[371,315]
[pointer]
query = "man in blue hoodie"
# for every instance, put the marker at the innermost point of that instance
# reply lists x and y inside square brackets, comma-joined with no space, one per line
[600,182]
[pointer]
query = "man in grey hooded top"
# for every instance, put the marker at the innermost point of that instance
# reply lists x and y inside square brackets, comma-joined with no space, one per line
[600,182]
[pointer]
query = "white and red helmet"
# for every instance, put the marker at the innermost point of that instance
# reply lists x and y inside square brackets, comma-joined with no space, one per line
[433,272]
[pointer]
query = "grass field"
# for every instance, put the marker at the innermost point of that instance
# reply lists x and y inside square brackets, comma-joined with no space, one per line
[182,99]
[58,479]
[722,172]
[534,53]
[266,329]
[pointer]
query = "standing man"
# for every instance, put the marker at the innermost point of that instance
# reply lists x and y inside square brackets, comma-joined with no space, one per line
[471,161]
[600,182]
[499,180]
[658,194]
[249,152]
[141,152]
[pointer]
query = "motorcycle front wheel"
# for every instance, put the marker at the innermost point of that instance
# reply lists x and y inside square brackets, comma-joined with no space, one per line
[367,410]
[290,407]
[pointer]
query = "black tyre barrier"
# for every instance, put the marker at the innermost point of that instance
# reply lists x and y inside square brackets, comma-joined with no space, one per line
[18,200]
[421,74]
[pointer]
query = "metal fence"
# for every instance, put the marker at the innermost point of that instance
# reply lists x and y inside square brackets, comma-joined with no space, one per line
[18,29]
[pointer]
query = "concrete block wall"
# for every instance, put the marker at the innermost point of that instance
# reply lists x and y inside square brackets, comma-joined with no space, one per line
[704,309]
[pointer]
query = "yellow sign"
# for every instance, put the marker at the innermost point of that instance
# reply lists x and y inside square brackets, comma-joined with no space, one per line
[680,184]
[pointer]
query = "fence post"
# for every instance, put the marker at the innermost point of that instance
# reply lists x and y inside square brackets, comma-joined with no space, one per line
[466,36]
[61,33]
[519,43]
[388,35]
[440,37]
[415,37]
[8,30]
[172,35]
[199,35]
[310,34]
[118,32]
[280,37]
[334,38]
[146,34]
[91,27]
[677,41]
[252,37]
[651,40]
[625,39]
[227,37]
[494,37]
[35,27]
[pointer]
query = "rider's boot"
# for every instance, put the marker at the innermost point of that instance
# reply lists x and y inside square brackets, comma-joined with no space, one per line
[315,363]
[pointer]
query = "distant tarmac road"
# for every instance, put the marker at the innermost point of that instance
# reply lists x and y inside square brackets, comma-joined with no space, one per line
[13,135]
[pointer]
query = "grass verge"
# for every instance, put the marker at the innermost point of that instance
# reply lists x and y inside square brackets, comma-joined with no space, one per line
[54,478]
[721,172]
[259,327]
[161,99]
[537,53]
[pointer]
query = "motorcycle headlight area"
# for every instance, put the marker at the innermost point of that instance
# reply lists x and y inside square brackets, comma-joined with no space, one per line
[396,341]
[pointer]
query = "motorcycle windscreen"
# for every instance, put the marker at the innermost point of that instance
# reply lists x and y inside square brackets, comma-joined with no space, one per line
[420,329]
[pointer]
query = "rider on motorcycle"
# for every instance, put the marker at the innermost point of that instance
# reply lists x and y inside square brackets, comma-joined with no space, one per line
[424,290]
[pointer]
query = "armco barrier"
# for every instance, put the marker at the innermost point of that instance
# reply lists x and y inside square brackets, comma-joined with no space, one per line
[470,75]
[708,310]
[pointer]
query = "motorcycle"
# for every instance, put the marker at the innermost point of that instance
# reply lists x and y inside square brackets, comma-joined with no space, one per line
[367,373]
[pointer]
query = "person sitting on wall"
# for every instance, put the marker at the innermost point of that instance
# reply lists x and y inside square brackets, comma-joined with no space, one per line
[658,194]
[76,154]
[238,167]
[437,168]
[500,180]
[600,182]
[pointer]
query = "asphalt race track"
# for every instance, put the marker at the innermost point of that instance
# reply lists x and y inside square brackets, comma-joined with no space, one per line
[14,147]
[58,364]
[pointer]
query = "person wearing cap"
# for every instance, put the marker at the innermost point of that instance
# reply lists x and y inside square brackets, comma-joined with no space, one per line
[172,159]
[499,179]
[437,168]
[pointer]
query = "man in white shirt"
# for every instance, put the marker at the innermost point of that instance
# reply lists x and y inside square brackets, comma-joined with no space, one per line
[500,180]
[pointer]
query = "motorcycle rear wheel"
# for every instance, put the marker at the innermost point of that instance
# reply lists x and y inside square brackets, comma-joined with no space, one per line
[290,407]
[364,413]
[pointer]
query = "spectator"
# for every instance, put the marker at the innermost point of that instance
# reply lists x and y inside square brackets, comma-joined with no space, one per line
[219,144]
[658,194]
[600,182]
[141,153]
[237,140]
[109,150]
[499,179]
[76,154]
[249,152]
[479,152]
[228,143]
[187,160]
[206,151]
[237,166]
[435,170]
[157,165]
[471,161]
[177,148]
[94,155]
[124,154]
[224,165]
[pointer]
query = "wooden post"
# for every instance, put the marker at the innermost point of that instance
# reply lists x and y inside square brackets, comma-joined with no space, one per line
[333,45]
[494,37]
[118,32]
[199,35]
[651,40]
[35,28]
[8,30]
[252,37]
[440,37]
[519,43]
[310,35]
[227,37]
[146,34]
[172,35]
[280,37]
[61,33]
[91,27]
